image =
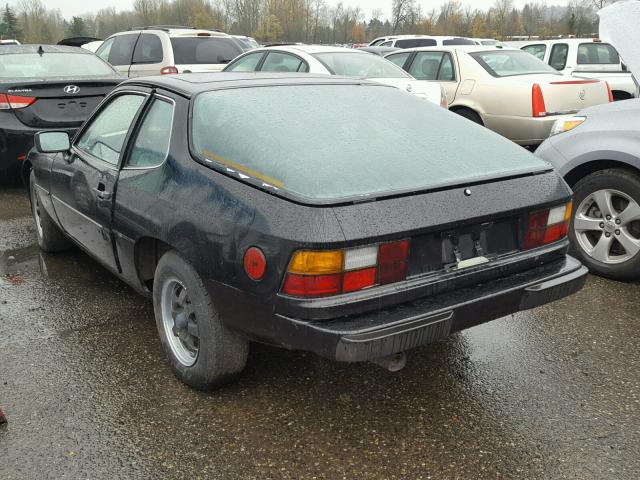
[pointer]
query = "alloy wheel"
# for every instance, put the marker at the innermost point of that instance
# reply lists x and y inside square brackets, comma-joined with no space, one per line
[180,322]
[607,226]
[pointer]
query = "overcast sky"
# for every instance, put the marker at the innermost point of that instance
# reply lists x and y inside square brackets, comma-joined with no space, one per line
[75,7]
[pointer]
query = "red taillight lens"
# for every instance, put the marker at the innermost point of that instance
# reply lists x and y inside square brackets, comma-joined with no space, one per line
[15,102]
[547,226]
[609,92]
[169,71]
[538,107]
[312,285]
[255,263]
[350,270]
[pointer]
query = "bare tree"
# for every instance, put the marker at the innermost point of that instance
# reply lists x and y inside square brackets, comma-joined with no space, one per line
[400,10]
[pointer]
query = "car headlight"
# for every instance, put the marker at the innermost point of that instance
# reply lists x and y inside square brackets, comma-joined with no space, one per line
[566,124]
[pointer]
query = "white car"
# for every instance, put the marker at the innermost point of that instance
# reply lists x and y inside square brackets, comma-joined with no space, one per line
[93,46]
[162,50]
[346,62]
[585,58]
[415,41]
[9,41]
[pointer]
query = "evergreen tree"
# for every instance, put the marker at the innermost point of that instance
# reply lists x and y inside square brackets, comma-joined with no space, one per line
[9,24]
[77,28]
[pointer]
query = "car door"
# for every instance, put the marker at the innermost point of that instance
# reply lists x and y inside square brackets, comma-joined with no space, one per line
[436,66]
[83,181]
[118,51]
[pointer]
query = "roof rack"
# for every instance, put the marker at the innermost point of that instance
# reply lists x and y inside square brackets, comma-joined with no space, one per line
[166,28]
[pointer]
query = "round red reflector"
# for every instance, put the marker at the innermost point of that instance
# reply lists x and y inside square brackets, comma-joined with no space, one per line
[255,263]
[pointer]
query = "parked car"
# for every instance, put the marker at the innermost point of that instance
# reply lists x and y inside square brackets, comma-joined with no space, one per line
[93,46]
[488,42]
[46,87]
[160,50]
[382,51]
[586,58]
[414,41]
[506,90]
[342,61]
[9,41]
[247,43]
[355,244]
[78,41]
[598,154]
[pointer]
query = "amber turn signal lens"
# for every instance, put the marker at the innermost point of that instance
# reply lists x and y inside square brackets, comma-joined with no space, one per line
[316,263]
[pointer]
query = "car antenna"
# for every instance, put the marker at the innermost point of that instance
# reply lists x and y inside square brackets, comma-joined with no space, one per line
[40,50]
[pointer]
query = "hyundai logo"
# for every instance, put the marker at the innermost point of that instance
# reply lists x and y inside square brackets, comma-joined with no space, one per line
[71,89]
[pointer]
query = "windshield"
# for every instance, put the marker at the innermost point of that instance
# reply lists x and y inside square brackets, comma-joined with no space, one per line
[501,63]
[204,50]
[311,150]
[359,65]
[48,65]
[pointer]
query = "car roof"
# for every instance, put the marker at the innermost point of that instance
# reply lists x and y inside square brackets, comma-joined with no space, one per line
[311,49]
[17,49]
[175,31]
[191,84]
[562,40]
[463,48]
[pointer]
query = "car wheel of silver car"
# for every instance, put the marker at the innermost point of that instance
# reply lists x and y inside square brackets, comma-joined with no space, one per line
[50,237]
[605,228]
[201,350]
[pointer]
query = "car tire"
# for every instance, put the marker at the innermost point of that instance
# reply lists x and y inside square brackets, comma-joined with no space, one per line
[202,352]
[607,248]
[469,115]
[50,238]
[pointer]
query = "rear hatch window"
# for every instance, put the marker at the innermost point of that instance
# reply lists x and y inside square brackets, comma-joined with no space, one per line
[204,50]
[335,143]
[510,63]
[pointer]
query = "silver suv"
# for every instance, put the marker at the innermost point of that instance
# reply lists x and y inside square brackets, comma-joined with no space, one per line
[162,50]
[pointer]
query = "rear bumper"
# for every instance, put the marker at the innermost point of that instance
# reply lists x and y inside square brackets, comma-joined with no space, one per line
[396,329]
[525,131]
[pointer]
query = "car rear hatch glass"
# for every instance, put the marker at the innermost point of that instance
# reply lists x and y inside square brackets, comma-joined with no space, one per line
[204,50]
[333,143]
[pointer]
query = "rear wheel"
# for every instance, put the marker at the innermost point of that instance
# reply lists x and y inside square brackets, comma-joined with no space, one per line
[605,229]
[50,237]
[201,351]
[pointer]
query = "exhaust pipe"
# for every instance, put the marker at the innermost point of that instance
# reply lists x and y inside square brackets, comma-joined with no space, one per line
[393,363]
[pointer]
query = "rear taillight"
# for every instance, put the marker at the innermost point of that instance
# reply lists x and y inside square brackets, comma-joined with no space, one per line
[539,109]
[169,71]
[326,273]
[547,226]
[609,92]
[15,102]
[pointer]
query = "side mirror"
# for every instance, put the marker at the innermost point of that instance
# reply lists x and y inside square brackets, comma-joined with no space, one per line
[52,142]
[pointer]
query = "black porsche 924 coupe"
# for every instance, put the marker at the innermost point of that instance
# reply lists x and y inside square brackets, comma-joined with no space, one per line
[250,209]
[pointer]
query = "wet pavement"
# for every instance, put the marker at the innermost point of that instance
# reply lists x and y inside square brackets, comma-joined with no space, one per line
[550,393]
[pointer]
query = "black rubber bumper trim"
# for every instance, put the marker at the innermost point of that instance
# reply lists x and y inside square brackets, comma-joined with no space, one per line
[375,335]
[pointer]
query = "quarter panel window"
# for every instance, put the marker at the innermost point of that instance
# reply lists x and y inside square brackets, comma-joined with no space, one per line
[148,49]
[151,145]
[104,138]
[558,57]
[537,51]
[105,49]
[248,63]
[282,62]
[399,58]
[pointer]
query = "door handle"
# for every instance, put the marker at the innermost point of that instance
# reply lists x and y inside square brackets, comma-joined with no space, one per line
[101,192]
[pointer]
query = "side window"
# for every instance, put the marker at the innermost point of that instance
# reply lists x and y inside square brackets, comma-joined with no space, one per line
[386,44]
[399,58]
[426,65]
[105,49]
[105,135]
[597,54]
[148,49]
[537,51]
[416,42]
[151,144]
[282,62]
[121,52]
[558,57]
[447,73]
[248,63]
